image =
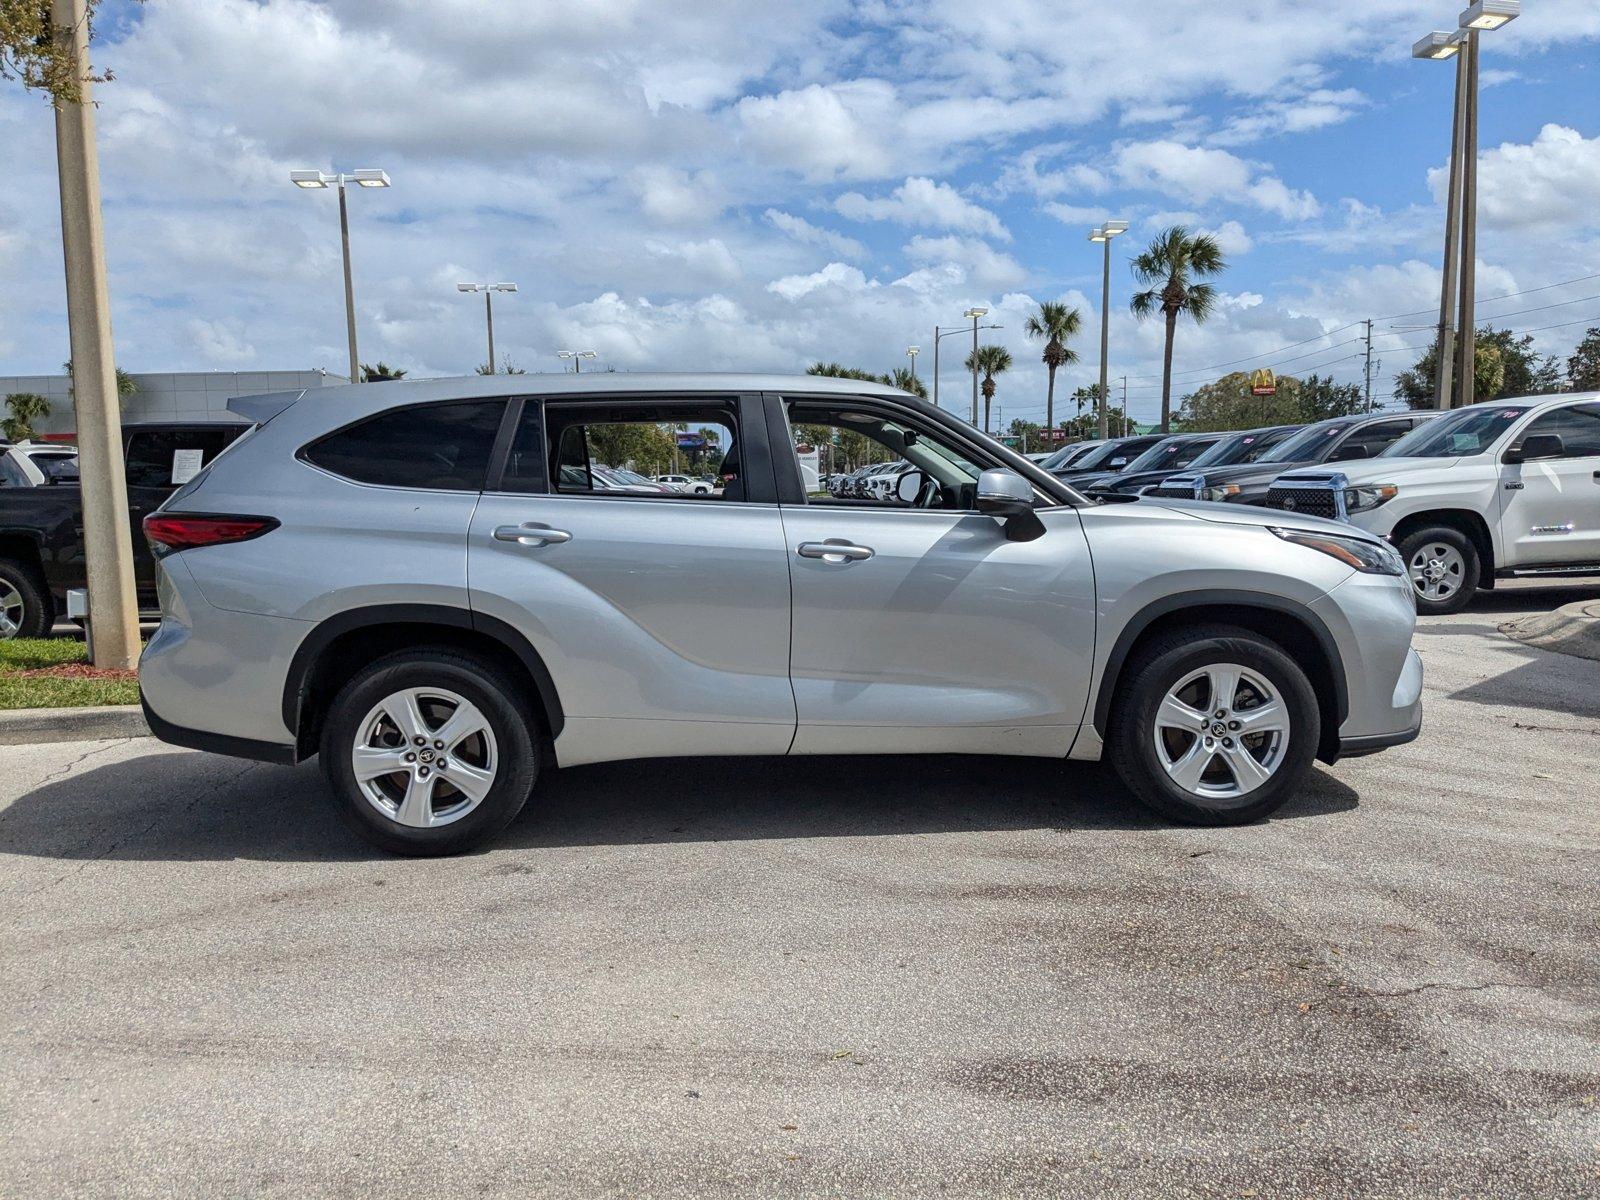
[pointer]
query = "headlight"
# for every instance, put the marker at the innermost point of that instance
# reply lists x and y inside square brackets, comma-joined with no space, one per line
[1360,499]
[1373,558]
[1217,494]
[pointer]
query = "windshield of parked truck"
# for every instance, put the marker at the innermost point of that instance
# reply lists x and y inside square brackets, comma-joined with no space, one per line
[1464,432]
[1308,444]
[1241,448]
[1172,454]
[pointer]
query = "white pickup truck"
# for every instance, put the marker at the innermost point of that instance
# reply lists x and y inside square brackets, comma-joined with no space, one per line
[1496,490]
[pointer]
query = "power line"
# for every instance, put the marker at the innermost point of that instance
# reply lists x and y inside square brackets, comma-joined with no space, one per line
[1266,354]
[1491,299]
[1521,312]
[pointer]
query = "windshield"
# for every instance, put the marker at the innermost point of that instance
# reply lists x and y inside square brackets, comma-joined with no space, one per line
[1100,457]
[1466,431]
[1172,453]
[1241,448]
[1063,456]
[1307,444]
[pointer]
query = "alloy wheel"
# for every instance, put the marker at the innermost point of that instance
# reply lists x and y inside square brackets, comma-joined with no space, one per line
[12,611]
[1437,571]
[424,757]
[1221,732]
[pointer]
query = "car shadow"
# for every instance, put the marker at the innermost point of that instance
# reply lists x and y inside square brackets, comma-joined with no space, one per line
[195,807]
[1543,598]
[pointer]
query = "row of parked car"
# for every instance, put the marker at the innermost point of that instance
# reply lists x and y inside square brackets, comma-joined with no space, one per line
[1498,490]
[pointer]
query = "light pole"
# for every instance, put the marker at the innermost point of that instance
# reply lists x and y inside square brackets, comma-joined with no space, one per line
[577,357]
[488,290]
[367,177]
[1461,217]
[1104,234]
[911,353]
[974,314]
[940,332]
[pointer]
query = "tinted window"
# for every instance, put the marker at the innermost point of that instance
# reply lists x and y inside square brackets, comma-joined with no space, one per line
[603,449]
[1373,439]
[906,463]
[57,466]
[441,446]
[1578,428]
[1113,455]
[169,458]
[10,474]
[1241,448]
[1306,445]
[1466,431]
[1171,454]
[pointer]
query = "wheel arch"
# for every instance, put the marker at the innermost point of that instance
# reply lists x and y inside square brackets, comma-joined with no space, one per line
[1463,520]
[351,639]
[1288,623]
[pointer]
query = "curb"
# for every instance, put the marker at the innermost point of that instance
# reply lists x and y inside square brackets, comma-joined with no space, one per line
[27,726]
[1572,629]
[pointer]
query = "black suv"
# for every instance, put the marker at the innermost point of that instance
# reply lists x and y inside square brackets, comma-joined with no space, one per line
[1340,439]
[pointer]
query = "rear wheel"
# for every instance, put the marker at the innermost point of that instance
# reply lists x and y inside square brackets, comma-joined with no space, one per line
[1214,726]
[430,752]
[1443,566]
[26,608]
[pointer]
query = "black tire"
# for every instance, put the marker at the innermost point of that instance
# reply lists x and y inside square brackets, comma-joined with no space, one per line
[1419,542]
[38,606]
[1163,664]
[515,727]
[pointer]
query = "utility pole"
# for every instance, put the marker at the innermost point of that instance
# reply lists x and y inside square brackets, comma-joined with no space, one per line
[936,366]
[1127,423]
[1369,364]
[488,318]
[1467,368]
[1444,370]
[107,537]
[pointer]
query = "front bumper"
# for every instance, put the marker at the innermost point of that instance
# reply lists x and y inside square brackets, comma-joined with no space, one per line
[1372,618]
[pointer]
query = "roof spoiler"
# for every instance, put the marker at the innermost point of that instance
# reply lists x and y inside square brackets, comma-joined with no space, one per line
[261,409]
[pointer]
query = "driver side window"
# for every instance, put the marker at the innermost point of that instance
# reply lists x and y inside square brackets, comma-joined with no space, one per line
[859,457]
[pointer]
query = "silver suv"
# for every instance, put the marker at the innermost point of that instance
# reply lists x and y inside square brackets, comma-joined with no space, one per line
[424,583]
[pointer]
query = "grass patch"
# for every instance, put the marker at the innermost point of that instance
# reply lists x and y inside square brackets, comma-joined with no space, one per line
[54,673]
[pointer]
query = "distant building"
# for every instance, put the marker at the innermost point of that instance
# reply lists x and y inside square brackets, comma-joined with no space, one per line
[183,396]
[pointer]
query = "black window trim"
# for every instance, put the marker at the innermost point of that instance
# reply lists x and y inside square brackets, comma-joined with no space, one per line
[504,401]
[1528,428]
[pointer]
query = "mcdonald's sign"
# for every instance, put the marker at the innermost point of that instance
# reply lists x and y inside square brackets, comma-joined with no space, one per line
[1263,383]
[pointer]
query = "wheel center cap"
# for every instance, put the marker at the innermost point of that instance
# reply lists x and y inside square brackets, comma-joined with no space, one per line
[1218,729]
[426,756]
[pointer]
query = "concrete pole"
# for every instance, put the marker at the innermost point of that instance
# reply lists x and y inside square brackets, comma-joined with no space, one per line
[1444,370]
[1104,398]
[936,366]
[488,316]
[349,286]
[1369,364]
[107,535]
[975,373]
[1467,368]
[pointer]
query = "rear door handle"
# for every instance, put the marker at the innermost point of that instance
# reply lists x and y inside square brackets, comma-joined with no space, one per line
[835,550]
[531,533]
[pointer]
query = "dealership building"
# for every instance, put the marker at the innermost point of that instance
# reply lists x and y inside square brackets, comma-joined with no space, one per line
[183,396]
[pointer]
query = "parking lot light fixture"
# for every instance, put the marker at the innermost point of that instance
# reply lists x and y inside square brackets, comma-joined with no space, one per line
[1491,14]
[488,290]
[577,357]
[911,353]
[1437,46]
[367,177]
[1104,235]
[973,314]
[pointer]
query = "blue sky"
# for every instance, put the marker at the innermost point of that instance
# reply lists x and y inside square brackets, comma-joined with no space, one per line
[761,184]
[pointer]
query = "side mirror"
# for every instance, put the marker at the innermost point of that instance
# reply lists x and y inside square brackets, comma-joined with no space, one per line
[909,486]
[1536,446]
[1003,493]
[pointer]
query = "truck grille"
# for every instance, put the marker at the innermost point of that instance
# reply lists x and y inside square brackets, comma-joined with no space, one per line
[1312,501]
[1172,493]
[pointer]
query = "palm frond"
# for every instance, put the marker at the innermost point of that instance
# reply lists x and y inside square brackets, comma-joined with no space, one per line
[1200,302]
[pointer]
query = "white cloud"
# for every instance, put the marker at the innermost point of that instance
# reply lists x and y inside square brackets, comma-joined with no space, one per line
[672,197]
[1202,175]
[1232,238]
[220,343]
[980,262]
[922,202]
[1551,183]
[823,133]
[802,230]
[834,275]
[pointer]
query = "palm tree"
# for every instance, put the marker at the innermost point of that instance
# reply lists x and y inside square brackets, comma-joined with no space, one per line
[379,372]
[1168,269]
[906,381]
[992,361]
[1056,324]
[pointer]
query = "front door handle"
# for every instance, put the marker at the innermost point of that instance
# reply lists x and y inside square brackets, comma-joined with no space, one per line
[531,533]
[835,550]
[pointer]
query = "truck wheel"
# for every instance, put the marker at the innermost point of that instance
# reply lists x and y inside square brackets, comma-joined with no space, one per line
[1214,726]
[430,752]
[26,609]
[1444,567]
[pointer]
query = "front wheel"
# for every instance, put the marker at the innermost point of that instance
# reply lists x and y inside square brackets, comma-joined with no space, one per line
[1214,726]
[429,752]
[26,609]
[1443,566]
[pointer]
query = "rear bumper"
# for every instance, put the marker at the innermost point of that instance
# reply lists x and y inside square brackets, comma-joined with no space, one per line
[216,743]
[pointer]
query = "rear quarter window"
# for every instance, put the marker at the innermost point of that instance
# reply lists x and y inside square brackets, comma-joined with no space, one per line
[442,447]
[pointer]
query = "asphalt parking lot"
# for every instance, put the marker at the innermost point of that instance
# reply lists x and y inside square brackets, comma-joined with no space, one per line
[825,977]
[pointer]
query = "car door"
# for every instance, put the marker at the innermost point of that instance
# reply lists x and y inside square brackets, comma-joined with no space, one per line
[1550,507]
[920,626]
[663,617]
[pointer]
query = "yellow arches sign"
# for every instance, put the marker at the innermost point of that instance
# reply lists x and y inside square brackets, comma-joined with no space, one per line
[1263,383]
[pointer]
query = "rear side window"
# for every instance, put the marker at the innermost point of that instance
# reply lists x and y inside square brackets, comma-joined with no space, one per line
[443,447]
[169,458]
[1578,428]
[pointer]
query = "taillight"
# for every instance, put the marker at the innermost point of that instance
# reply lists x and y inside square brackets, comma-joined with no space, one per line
[169,533]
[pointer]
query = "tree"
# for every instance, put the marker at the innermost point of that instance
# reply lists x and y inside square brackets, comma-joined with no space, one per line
[380,372]
[505,368]
[1057,324]
[1321,399]
[902,378]
[991,361]
[1168,269]
[1506,365]
[1583,368]
[30,53]
[835,371]
[24,408]
[1230,403]
[125,383]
